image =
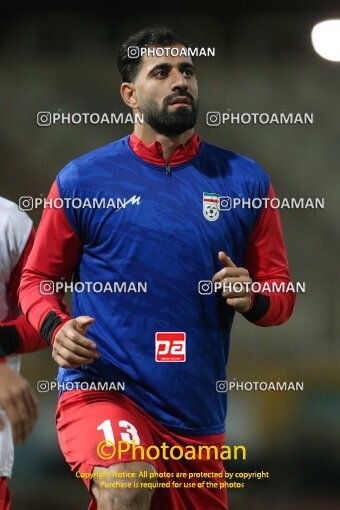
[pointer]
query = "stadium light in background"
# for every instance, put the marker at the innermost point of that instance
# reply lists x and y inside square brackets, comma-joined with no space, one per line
[326,39]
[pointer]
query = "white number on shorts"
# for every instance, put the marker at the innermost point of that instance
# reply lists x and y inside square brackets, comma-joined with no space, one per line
[130,435]
[106,427]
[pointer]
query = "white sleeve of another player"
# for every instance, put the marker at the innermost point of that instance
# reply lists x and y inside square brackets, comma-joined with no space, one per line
[15,228]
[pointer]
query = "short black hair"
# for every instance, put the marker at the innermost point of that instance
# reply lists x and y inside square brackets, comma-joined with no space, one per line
[155,35]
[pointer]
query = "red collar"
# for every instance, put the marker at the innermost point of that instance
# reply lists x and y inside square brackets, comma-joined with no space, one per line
[153,153]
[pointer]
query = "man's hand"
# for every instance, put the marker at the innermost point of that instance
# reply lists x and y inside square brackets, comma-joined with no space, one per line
[18,402]
[71,348]
[231,274]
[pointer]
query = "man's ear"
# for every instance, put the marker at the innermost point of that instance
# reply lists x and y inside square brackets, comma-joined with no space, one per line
[128,93]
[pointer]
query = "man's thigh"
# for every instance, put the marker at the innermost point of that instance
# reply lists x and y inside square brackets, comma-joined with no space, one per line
[85,419]
[91,426]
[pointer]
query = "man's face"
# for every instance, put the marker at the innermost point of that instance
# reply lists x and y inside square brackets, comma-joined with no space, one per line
[167,93]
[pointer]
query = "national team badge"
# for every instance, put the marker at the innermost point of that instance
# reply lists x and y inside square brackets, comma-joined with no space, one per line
[211,211]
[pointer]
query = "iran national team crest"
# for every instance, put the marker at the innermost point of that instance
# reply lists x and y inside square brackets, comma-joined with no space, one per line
[210,206]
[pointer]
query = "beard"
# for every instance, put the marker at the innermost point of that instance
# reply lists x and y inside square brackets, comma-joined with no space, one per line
[166,122]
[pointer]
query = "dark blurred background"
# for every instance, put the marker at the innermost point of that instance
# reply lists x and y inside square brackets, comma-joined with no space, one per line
[64,59]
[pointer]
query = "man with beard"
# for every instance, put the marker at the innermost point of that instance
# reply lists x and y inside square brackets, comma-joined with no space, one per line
[170,344]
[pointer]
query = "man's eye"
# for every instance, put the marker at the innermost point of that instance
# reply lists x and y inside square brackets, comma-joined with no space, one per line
[160,74]
[188,72]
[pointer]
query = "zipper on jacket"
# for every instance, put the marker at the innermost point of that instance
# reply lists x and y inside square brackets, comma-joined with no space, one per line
[167,166]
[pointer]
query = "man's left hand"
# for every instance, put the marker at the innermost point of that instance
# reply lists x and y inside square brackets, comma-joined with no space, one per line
[239,298]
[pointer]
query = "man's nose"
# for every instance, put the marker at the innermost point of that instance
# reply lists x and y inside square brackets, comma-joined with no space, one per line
[179,81]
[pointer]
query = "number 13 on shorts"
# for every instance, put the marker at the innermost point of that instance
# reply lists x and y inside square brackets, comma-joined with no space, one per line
[128,432]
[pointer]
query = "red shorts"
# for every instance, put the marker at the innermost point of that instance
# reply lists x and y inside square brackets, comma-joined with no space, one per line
[86,418]
[5,497]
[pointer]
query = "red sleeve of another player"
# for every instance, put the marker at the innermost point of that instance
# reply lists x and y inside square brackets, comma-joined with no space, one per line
[54,255]
[28,338]
[266,261]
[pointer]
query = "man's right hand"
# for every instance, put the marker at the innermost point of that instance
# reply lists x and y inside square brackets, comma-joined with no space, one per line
[71,348]
[18,402]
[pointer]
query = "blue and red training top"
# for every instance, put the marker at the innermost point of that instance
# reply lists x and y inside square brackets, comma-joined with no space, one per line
[166,236]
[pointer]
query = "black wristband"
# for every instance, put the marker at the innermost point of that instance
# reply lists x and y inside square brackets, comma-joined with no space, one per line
[51,321]
[9,340]
[259,309]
